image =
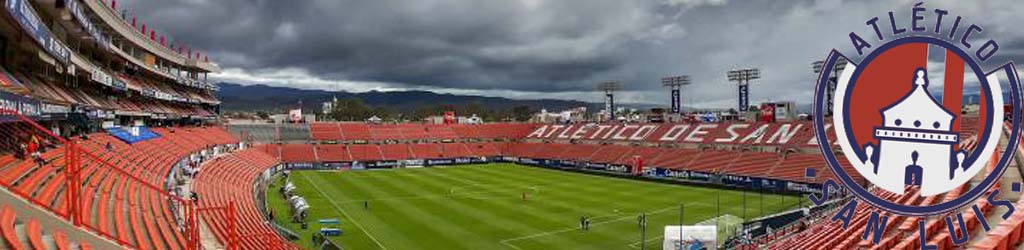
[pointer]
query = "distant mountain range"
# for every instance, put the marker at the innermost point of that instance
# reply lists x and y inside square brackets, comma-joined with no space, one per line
[237,97]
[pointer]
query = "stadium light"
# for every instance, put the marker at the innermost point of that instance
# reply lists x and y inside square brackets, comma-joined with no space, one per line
[833,79]
[742,77]
[609,89]
[675,84]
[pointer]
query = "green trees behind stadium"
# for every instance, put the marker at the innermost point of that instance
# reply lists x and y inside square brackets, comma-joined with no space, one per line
[354,109]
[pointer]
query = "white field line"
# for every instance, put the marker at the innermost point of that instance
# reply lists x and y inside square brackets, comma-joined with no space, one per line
[466,195]
[636,245]
[507,242]
[336,206]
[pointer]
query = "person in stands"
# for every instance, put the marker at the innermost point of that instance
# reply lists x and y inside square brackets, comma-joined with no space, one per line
[33,150]
[22,151]
[109,147]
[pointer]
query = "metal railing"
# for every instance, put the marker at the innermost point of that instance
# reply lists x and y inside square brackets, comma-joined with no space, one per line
[92,179]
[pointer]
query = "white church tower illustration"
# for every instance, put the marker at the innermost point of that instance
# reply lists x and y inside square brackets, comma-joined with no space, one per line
[915,143]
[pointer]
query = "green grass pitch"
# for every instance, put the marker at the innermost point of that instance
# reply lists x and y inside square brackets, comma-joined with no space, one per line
[482,207]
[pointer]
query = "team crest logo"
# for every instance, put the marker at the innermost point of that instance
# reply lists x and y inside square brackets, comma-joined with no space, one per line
[918,111]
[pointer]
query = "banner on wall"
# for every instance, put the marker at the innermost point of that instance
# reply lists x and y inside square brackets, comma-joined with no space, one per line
[295,115]
[24,105]
[27,18]
[75,7]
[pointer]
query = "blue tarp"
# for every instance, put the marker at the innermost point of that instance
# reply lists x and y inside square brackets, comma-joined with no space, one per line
[125,135]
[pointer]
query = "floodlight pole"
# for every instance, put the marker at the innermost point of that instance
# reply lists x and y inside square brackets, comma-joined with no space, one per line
[833,80]
[609,89]
[675,84]
[681,209]
[742,77]
[761,191]
[643,231]
[718,209]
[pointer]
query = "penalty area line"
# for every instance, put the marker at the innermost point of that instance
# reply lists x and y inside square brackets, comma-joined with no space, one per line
[354,222]
[507,242]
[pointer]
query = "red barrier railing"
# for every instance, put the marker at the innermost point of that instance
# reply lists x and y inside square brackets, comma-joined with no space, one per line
[127,192]
[22,130]
[231,241]
[91,180]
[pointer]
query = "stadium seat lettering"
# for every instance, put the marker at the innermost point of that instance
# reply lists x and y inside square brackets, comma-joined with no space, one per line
[538,133]
[675,132]
[619,135]
[784,134]
[579,132]
[736,133]
[698,132]
[600,129]
[610,132]
[554,128]
[757,135]
[814,139]
[733,135]
[643,132]
[565,133]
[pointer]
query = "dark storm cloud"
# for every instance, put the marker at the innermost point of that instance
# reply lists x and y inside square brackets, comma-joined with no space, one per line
[461,44]
[557,48]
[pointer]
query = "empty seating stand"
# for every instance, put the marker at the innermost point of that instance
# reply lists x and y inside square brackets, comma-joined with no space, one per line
[298,153]
[331,153]
[231,179]
[362,132]
[119,186]
[26,233]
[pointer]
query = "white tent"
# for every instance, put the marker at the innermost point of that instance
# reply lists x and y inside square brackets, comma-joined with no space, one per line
[693,238]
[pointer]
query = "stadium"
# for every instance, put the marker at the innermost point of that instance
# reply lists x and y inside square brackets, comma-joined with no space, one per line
[115,138]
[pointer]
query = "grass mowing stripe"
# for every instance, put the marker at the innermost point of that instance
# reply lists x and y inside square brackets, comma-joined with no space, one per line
[601,201]
[406,177]
[353,221]
[412,208]
[592,191]
[559,202]
[434,214]
[507,213]
[389,218]
[552,212]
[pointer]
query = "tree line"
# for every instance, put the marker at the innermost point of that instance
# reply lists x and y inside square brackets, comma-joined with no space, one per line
[354,109]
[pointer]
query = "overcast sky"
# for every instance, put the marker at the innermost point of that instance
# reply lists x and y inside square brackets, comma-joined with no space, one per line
[537,48]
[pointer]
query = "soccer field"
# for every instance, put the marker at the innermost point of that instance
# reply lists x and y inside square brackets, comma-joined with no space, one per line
[483,207]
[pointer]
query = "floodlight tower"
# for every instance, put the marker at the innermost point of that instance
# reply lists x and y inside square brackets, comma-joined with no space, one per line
[742,78]
[833,80]
[609,89]
[676,83]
